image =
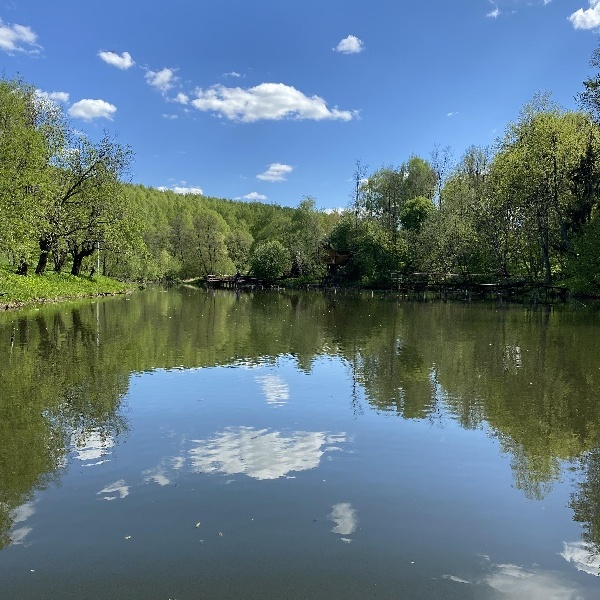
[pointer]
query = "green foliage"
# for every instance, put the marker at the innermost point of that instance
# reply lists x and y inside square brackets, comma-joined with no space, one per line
[269,260]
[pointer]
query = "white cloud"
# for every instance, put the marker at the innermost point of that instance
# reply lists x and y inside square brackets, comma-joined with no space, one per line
[88,109]
[588,18]
[169,117]
[267,101]
[18,38]
[232,74]
[275,172]
[121,61]
[162,80]
[53,96]
[254,196]
[494,14]
[181,98]
[261,454]
[350,45]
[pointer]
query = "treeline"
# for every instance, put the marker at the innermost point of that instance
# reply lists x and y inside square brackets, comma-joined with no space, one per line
[526,208]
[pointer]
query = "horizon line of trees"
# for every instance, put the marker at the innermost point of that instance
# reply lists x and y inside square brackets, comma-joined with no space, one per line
[527,207]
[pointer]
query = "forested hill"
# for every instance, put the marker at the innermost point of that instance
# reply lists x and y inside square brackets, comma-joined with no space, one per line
[527,208]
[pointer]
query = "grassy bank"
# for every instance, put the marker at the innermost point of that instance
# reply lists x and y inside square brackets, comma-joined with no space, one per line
[17,290]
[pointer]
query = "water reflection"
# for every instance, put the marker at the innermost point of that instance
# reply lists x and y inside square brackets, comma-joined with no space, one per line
[527,378]
[516,583]
[260,453]
[583,556]
[274,389]
[20,515]
[91,448]
[114,491]
[345,519]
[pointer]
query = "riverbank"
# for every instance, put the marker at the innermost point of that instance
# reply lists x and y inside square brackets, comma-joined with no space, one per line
[18,290]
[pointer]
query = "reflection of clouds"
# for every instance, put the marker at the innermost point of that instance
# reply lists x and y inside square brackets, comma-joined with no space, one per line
[345,519]
[261,454]
[274,388]
[517,583]
[91,448]
[157,476]
[19,515]
[115,490]
[580,555]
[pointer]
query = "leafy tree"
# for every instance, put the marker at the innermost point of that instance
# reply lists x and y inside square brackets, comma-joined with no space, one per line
[269,260]
[547,171]
[30,130]
[87,204]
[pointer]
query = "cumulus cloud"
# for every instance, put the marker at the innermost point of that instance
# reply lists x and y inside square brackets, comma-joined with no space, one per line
[276,172]
[267,101]
[121,61]
[88,109]
[181,98]
[18,38]
[54,96]
[232,74]
[254,196]
[162,80]
[588,18]
[350,45]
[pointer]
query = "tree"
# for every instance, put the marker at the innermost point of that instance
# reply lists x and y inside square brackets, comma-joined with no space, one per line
[31,129]
[269,260]
[86,203]
[547,173]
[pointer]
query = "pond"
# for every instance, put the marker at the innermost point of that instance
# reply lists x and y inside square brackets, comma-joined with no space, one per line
[188,444]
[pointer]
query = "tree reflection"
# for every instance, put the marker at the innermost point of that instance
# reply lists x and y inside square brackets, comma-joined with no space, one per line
[528,376]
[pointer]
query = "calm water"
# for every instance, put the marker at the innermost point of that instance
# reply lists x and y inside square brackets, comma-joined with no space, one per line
[188,445]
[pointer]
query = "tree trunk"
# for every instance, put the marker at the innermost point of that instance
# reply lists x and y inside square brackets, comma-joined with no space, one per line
[87,249]
[45,245]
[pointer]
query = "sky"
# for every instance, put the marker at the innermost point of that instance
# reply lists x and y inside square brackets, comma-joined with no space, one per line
[273,100]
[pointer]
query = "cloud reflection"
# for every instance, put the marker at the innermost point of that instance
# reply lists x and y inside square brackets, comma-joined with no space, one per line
[580,555]
[261,454]
[91,448]
[115,490]
[19,515]
[274,388]
[516,583]
[344,517]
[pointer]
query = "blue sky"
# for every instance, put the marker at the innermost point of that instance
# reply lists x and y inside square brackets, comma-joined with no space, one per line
[274,100]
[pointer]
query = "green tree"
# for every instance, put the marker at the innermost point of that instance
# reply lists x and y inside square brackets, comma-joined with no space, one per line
[270,260]
[31,128]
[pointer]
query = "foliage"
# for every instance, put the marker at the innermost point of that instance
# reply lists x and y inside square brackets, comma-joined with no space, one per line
[269,260]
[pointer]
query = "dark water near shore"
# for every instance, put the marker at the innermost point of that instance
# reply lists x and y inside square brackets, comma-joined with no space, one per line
[193,445]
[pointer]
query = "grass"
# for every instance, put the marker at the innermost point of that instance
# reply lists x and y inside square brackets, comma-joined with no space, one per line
[18,290]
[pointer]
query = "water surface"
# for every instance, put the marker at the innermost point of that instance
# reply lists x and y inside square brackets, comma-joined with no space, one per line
[197,445]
